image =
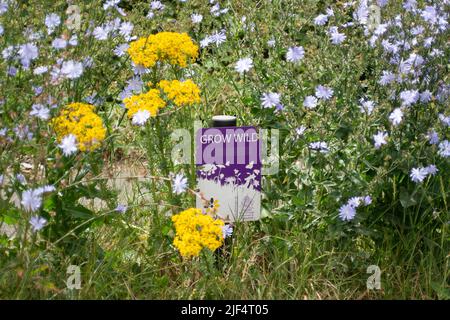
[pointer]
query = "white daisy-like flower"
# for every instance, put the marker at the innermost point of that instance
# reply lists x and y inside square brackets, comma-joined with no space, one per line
[31,200]
[310,102]
[270,99]
[431,169]
[40,111]
[321,19]
[37,223]
[380,139]
[140,117]
[323,92]
[418,174]
[196,18]
[40,70]
[100,33]
[444,149]
[68,145]
[295,54]
[244,65]
[179,184]
[72,69]
[396,116]
[227,231]
[121,208]
[347,212]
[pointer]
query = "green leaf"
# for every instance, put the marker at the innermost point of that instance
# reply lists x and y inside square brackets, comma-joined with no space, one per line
[80,212]
[406,199]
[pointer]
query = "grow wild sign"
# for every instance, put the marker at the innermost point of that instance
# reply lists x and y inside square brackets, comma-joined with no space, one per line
[229,171]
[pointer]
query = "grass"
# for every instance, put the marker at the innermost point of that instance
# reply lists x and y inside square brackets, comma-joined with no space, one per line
[300,249]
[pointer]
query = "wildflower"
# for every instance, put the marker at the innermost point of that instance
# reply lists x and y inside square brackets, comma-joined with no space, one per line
[27,53]
[431,169]
[300,131]
[45,189]
[69,145]
[418,174]
[323,92]
[310,102]
[396,116]
[218,37]
[125,30]
[409,97]
[31,200]
[355,201]
[157,5]
[444,149]
[140,117]
[174,48]
[425,96]
[40,111]
[295,54]
[80,120]
[227,231]
[347,212]
[320,146]
[52,21]
[367,200]
[40,70]
[21,179]
[37,223]
[386,78]
[121,49]
[380,139]
[433,137]
[179,184]
[445,120]
[181,92]
[121,208]
[100,33]
[59,43]
[195,231]
[149,101]
[196,18]
[244,65]
[270,99]
[336,36]
[72,69]
[366,106]
[321,19]
[271,43]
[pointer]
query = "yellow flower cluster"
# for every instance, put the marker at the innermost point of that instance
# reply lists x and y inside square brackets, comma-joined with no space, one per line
[150,101]
[174,48]
[181,92]
[195,231]
[80,120]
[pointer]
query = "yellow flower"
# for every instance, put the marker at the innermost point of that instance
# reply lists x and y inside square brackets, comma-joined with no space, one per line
[195,231]
[150,101]
[174,48]
[80,120]
[181,92]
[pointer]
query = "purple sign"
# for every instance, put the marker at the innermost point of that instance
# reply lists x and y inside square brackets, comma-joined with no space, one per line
[229,170]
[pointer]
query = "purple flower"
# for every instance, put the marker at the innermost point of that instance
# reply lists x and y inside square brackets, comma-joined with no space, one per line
[295,54]
[347,212]
[121,208]
[323,92]
[380,139]
[310,102]
[270,99]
